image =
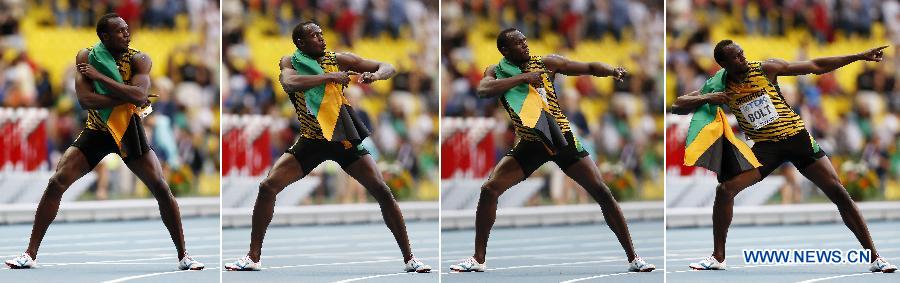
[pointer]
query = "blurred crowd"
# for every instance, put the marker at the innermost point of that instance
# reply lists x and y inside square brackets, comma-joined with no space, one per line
[620,123]
[402,111]
[183,129]
[853,113]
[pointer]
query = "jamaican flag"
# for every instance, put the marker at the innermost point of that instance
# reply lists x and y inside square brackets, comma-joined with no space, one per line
[327,103]
[711,143]
[530,105]
[122,121]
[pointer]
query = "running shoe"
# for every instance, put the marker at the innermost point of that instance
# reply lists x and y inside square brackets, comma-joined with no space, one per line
[879,265]
[469,265]
[416,265]
[709,263]
[188,263]
[639,265]
[244,264]
[24,261]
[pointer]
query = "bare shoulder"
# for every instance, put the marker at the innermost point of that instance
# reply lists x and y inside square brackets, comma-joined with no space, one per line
[82,55]
[285,62]
[490,71]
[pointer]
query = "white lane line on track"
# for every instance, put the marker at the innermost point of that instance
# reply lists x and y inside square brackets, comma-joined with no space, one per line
[571,254]
[123,261]
[601,276]
[833,277]
[123,279]
[197,247]
[370,277]
[339,263]
[558,264]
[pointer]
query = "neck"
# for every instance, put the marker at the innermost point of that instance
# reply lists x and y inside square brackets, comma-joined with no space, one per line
[734,76]
[522,65]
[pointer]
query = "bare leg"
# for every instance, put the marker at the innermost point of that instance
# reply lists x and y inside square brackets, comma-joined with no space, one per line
[505,175]
[148,169]
[823,175]
[72,166]
[723,208]
[285,172]
[366,173]
[586,173]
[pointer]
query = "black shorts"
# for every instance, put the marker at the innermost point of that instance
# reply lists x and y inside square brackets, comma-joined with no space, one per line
[312,152]
[800,149]
[532,154]
[95,145]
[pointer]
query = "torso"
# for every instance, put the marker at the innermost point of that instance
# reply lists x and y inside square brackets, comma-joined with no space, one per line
[94,121]
[760,108]
[309,125]
[524,133]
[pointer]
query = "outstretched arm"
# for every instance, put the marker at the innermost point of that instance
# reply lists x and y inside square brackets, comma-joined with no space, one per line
[84,89]
[818,66]
[291,81]
[563,65]
[490,86]
[136,93]
[686,104]
[369,70]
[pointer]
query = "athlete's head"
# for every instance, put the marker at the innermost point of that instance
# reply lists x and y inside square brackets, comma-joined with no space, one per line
[113,32]
[730,56]
[513,45]
[308,38]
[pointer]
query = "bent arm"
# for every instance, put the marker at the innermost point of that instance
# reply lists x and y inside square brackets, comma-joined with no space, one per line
[139,90]
[490,86]
[353,62]
[291,81]
[84,89]
[563,65]
[686,104]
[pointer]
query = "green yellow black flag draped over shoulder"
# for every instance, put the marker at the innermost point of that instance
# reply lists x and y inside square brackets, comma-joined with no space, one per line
[529,103]
[122,120]
[711,143]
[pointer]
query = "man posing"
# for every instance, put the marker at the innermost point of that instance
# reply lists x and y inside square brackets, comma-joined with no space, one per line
[113,84]
[751,92]
[314,79]
[524,85]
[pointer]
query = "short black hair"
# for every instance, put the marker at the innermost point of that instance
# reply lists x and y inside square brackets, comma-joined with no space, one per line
[501,38]
[103,22]
[719,51]
[298,31]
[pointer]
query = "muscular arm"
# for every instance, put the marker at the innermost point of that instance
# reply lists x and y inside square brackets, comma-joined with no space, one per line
[379,70]
[818,66]
[490,86]
[291,81]
[562,65]
[687,103]
[136,93]
[84,89]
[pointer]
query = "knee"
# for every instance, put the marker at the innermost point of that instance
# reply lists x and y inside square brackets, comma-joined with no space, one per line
[381,192]
[57,185]
[724,192]
[491,190]
[269,187]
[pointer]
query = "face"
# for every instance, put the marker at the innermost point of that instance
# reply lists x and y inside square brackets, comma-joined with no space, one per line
[311,41]
[734,59]
[117,37]
[516,48]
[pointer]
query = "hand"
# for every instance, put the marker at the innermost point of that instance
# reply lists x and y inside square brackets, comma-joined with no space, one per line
[874,54]
[366,78]
[88,71]
[619,73]
[341,77]
[147,101]
[533,77]
[717,98]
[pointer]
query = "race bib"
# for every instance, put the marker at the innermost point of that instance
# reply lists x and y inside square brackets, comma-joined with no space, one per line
[759,112]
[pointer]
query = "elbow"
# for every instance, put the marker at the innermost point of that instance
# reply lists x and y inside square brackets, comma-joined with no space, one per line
[482,92]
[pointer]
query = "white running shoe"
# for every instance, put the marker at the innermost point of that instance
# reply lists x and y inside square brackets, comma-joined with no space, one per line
[244,264]
[469,265]
[188,263]
[639,265]
[416,265]
[879,265]
[709,263]
[23,261]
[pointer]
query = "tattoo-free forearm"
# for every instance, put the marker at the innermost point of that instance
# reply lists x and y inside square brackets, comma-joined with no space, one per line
[128,93]
[93,100]
[294,83]
[599,69]
[828,64]
[686,104]
[495,87]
